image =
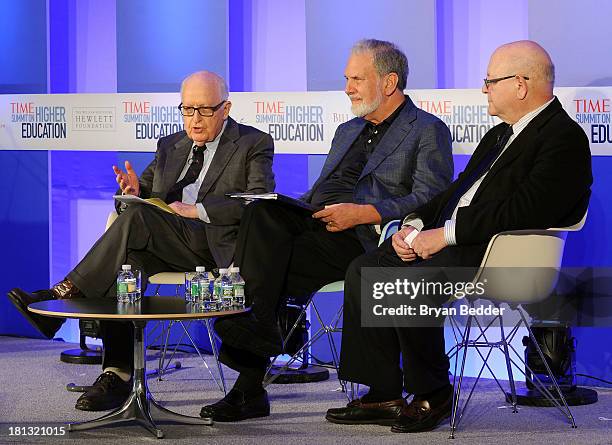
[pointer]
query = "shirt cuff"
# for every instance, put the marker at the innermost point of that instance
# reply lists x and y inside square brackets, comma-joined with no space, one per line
[417,223]
[449,232]
[202,212]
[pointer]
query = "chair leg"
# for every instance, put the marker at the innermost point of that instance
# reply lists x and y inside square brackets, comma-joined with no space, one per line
[504,341]
[215,350]
[567,410]
[457,390]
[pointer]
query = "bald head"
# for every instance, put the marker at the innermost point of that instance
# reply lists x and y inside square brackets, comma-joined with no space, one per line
[521,78]
[209,81]
[527,58]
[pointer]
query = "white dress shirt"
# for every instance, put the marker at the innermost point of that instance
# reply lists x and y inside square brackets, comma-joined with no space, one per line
[190,192]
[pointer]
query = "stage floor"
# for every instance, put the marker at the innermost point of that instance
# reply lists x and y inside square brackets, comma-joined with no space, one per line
[33,394]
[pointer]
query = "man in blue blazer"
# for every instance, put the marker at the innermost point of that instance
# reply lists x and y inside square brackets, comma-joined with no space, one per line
[388,161]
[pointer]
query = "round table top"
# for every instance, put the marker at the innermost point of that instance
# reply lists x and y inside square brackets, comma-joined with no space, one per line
[147,308]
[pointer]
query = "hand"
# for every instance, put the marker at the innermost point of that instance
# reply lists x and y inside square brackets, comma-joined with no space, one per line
[127,181]
[186,210]
[429,242]
[402,249]
[343,216]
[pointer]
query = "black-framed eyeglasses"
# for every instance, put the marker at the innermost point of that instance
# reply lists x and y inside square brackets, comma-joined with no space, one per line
[202,111]
[488,82]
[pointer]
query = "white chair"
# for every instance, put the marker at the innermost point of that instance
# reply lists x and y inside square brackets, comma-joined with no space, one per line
[536,256]
[325,329]
[177,279]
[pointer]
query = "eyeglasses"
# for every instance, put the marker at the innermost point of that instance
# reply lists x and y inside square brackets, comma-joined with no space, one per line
[202,111]
[488,82]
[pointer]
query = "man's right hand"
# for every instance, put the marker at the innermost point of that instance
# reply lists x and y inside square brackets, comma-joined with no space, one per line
[128,180]
[402,249]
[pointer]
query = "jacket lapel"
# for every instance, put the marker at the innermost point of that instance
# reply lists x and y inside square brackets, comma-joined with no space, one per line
[225,150]
[522,142]
[341,148]
[392,138]
[176,162]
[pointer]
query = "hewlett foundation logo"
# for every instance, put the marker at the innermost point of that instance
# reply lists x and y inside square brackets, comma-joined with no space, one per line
[93,119]
[39,122]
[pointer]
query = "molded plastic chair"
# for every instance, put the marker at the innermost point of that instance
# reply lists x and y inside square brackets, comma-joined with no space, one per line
[536,255]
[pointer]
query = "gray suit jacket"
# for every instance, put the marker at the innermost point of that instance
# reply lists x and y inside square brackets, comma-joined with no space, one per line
[242,163]
[412,163]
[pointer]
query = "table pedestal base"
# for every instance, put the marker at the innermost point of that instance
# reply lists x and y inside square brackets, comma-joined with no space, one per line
[140,405]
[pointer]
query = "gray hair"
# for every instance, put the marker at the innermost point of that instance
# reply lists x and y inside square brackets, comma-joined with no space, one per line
[388,58]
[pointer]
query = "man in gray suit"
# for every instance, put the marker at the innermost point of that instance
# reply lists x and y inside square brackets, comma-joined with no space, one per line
[192,171]
[389,160]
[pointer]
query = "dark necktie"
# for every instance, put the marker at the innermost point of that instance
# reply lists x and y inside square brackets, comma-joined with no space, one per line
[482,167]
[197,160]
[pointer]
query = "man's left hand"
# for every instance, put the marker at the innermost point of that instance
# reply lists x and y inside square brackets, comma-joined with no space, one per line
[339,217]
[429,242]
[186,210]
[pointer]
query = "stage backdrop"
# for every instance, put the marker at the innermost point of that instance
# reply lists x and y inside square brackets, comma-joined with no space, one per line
[300,123]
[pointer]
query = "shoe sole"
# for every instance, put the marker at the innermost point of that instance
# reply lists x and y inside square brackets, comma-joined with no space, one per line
[382,422]
[424,430]
[238,419]
[14,297]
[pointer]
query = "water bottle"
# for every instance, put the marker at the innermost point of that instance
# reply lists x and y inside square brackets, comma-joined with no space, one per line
[199,285]
[217,296]
[227,290]
[127,291]
[238,285]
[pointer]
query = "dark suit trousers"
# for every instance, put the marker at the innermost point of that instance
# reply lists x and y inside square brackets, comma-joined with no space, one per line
[150,240]
[371,356]
[283,251]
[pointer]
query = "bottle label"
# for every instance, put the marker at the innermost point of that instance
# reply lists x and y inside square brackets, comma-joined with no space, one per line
[195,289]
[122,287]
[239,290]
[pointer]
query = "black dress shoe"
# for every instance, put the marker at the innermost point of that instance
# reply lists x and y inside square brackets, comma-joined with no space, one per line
[108,392]
[420,415]
[237,406]
[47,326]
[247,332]
[360,413]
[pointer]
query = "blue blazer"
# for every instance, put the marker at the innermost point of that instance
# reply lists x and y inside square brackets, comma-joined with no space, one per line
[412,163]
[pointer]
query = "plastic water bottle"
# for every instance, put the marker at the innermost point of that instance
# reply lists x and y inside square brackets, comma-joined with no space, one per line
[199,285]
[127,291]
[217,296]
[238,287]
[227,290]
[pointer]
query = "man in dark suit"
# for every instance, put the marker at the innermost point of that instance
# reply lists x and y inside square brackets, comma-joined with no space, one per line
[385,163]
[533,171]
[192,171]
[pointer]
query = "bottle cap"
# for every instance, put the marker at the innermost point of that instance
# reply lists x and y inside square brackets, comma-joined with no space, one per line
[234,269]
[222,271]
[126,267]
[200,269]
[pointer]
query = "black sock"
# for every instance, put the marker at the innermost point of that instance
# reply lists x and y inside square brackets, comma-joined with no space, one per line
[439,396]
[375,395]
[251,383]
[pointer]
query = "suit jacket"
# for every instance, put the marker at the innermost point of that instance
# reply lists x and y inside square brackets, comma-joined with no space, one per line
[541,180]
[242,163]
[411,164]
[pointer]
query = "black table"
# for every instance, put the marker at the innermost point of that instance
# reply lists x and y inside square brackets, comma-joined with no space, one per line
[140,405]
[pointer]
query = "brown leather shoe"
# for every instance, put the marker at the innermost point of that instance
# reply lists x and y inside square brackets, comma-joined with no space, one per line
[420,416]
[360,413]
